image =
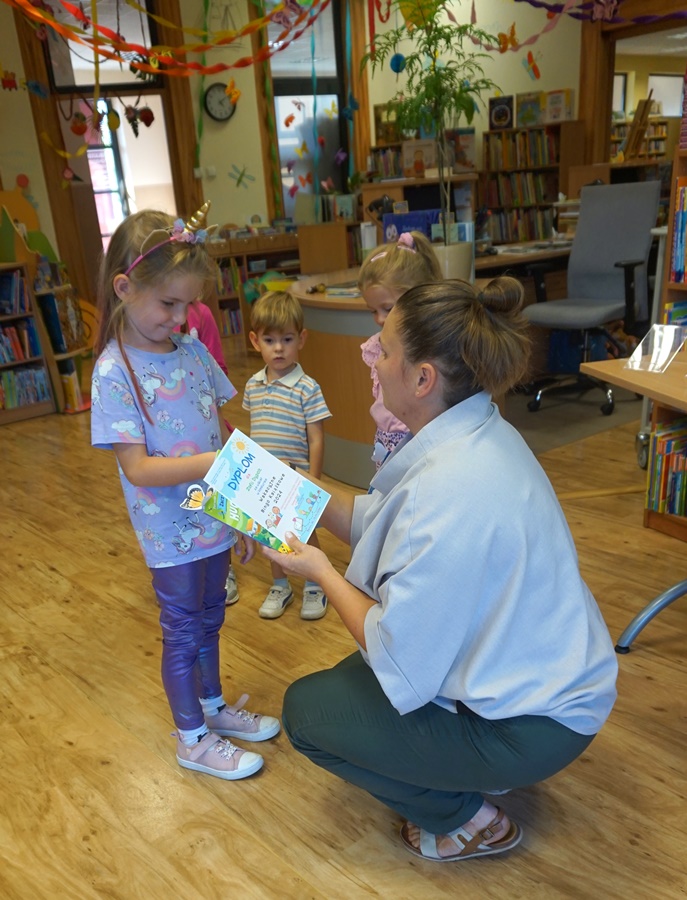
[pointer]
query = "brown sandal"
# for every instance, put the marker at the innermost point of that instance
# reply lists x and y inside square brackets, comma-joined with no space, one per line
[468,844]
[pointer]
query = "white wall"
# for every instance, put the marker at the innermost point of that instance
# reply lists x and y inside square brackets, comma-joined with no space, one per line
[557,54]
[19,152]
[238,142]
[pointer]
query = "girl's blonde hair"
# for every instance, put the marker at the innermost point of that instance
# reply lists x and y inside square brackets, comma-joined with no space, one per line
[174,258]
[478,339]
[276,311]
[400,266]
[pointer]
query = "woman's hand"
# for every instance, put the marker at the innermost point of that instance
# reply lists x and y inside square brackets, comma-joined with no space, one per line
[244,548]
[310,562]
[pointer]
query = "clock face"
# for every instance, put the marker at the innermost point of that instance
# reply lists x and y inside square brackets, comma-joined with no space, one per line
[217,102]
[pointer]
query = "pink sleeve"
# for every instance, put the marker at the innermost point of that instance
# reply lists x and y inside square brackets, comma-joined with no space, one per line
[200,317]
[384,420]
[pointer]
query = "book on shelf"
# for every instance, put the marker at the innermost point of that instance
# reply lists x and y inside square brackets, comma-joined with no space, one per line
[262,496]
[345,207]
[668,445]
[63,320]
[461,144]
[559,105]
[679,245]
[23,387]
[530,108]
[343,289]
[501,112]
[417,157]
[13,296]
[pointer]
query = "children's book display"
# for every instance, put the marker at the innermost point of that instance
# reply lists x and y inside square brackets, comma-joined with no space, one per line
[255,493]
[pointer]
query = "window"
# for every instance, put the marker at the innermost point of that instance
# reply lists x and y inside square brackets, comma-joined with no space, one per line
[619,92]
[70,64]
[310,127]
[667,90]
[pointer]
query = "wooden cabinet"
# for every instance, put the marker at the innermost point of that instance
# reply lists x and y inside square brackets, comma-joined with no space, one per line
[25,384]
[242,259]
[524,171]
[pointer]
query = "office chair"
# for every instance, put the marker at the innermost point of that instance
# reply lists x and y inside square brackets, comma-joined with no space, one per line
[606,280]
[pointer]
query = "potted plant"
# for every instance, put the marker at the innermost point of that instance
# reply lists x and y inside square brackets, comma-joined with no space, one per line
[442,63]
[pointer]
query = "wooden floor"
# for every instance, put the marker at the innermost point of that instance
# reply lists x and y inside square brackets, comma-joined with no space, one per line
[94,805]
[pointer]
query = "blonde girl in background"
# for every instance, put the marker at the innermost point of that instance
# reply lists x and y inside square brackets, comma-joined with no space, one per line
[388,272]
[155,399]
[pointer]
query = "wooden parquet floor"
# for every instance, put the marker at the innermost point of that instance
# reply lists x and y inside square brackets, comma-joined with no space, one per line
[94,805]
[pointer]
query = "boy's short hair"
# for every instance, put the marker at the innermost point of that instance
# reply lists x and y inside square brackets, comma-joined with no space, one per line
[276,311]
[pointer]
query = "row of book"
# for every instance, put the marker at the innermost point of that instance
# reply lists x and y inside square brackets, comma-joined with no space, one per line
[675,312]
[19,342]
[517,225]
[522,149]
[667,476]
[231,321]
[678,257]
[74,400]
[521,189]
[387,163]
[227,280]
[338,207]
[14,299]
[22,387]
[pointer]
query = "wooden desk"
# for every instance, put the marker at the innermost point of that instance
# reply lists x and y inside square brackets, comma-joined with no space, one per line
[530,253]
[668,388]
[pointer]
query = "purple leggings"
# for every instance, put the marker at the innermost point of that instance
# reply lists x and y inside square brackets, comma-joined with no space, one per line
[191,598]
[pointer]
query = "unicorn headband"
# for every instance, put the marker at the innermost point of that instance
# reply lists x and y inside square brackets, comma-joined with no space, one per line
[190,232]
[405,242]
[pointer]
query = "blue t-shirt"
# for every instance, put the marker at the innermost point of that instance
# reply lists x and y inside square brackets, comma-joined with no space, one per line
[181,391]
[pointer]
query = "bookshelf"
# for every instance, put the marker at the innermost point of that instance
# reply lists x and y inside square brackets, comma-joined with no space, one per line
[25,388]
[660,140]
[241,259]
[59,309]
[674,292]
[523,172]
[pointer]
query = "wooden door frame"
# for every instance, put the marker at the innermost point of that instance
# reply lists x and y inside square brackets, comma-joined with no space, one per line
[179,122]
[597,67]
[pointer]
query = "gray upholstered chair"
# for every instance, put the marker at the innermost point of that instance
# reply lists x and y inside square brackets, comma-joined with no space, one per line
[607,275]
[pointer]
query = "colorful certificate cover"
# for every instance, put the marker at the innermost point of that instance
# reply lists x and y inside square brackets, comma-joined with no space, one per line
[260,495]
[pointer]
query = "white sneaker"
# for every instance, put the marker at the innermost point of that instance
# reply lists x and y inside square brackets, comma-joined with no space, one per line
[231,589]
[314,603]
[276,601]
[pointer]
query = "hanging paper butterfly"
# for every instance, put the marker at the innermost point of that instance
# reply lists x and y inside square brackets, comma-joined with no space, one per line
[531,65]
[353,106]
[321,141]
[603,10]
[240,176]
[302,150]
[332,111]
[232,92]
[298,104]
[195,497]
[37,88]
[508,39]
[289,165]
[340,156]
[289,120]
[328,185]
[305,179]
[293,190]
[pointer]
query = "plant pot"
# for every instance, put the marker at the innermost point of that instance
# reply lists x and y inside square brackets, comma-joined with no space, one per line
[456,260]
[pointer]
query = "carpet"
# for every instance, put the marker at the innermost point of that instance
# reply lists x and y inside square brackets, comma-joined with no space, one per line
[564,419]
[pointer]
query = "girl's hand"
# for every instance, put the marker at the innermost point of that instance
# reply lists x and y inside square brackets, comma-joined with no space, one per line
[244,548]
[310,562]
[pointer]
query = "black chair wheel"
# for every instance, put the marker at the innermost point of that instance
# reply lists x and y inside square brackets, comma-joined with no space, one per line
[643,456]
[534,405]
[607,408]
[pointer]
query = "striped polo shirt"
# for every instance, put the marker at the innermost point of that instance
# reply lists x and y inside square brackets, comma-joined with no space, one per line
[280,410]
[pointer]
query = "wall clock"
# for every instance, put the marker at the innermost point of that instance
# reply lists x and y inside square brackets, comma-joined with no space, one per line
[217,102]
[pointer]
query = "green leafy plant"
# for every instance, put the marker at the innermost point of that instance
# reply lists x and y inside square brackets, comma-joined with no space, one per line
[443,65]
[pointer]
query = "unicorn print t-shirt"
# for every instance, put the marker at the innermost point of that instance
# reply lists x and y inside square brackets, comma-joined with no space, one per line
[181,391]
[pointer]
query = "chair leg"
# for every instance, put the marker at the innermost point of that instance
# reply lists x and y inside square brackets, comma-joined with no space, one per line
[647,614]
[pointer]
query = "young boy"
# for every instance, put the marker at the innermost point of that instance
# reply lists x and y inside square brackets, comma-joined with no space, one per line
[287,412]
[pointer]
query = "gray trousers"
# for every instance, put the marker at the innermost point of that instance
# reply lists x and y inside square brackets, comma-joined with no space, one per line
[430,765]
